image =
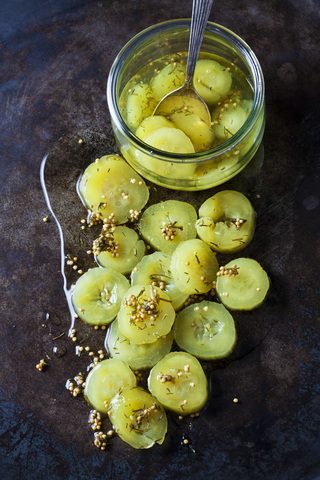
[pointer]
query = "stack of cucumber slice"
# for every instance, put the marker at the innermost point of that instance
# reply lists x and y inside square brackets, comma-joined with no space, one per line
[220,83]
[161,303]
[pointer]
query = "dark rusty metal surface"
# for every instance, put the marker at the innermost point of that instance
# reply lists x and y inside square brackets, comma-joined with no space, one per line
[55,58]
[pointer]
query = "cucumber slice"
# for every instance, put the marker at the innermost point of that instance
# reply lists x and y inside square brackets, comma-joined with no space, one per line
[129,251]
[242,284]
[154,269]
[206,330]
[226,221]
[106,380]
[140,104]
[146,314]
[172,76]
[97,295]
[138,418]
[194,267]
[151,124]
[111,186]
[164,225]
[212,81]
[200,134]
[170,139]
[165,169]
[179,383]
[228,120]
[136,356]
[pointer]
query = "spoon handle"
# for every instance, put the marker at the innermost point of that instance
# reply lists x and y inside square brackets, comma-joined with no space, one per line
[200,14]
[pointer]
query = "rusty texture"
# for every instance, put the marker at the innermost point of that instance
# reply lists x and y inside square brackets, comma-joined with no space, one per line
[55,58]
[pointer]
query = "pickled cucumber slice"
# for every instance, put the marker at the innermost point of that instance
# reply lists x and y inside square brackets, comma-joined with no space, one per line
[228,120]
[136,356]
[150,124]
[164,225]
[146,314]
[172,76]
[179,383]
[200,134]
[242,284]
[170,139]
[110,186]
[97,295]
[138,418]
[163,168]
[140,104]
[194,267]
[105,380]
[154,269]
[206,330]
[226,221]
[212,81]
[127,251]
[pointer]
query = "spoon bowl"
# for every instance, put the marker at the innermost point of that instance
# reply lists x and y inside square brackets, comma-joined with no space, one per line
[185,99]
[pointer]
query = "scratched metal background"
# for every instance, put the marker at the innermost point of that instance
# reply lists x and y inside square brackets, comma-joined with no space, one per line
[55,58]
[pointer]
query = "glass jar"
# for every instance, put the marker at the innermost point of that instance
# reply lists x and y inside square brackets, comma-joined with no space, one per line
[193,171]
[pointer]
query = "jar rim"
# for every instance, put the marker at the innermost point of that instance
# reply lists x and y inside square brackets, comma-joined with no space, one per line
[178,24]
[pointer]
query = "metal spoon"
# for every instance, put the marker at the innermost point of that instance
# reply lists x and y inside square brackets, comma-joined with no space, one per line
[185,98]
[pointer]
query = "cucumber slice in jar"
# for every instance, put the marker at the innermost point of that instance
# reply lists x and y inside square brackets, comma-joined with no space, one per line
[212,81]
[140,104]
[206,330]
[136,356]
[167,139]
[169,78]
[151,124]
[200,134]
[146,314]
[194,267]
[154,269]
[127,249]
[97,295]
[164,225]
[110,186]
[242,284]
[179,383]
[105,380]
[226,221]
[170,139]
[138,418]
[228,120]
